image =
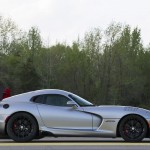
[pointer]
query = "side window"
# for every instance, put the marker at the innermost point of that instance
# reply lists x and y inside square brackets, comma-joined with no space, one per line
[38,99]
[56,100]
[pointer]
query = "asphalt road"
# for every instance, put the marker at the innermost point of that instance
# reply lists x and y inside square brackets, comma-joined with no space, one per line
[75,144]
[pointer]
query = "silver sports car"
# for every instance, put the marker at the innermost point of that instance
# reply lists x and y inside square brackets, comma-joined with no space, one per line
[54,112]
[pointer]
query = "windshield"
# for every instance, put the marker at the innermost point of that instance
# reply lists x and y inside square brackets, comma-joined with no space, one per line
[80,101]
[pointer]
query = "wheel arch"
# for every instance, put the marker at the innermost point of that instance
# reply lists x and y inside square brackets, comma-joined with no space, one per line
[117,131]
[7,119]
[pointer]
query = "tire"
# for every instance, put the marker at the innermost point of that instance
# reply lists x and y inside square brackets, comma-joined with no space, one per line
[22,127]
[133,128]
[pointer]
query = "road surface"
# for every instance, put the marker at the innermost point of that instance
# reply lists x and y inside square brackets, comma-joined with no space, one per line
[75,144]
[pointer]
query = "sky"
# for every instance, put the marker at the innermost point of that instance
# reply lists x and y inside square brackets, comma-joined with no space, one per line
[66,20]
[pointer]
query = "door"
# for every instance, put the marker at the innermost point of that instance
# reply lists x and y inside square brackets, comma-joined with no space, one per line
[56,113]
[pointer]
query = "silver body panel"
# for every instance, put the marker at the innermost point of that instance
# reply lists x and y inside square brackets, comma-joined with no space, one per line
[99,121]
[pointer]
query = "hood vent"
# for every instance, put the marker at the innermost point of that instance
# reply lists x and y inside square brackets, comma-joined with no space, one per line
[129,108]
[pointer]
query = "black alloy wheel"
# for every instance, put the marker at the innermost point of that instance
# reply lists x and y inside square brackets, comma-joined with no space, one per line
[133,128]
[22,127]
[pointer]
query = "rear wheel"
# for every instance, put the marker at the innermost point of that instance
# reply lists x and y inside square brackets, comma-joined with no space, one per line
[22,127]
[133,128]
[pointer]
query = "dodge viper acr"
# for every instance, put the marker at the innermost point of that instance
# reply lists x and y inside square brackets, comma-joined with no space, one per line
[27,116]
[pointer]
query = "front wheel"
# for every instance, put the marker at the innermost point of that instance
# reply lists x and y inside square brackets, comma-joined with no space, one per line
[133,128]
[22,127]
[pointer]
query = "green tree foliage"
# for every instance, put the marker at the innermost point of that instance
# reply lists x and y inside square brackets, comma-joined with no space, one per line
[108,66]
[34,41]
[27,69]
[28,75]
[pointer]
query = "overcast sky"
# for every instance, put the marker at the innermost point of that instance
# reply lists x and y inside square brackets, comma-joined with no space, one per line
[65,20]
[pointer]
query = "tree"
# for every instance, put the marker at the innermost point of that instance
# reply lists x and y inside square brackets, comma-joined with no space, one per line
[29,77]
[108,66]
[34,41]
[8,32]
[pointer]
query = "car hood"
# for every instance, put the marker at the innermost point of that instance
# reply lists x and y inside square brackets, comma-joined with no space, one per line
[116,111]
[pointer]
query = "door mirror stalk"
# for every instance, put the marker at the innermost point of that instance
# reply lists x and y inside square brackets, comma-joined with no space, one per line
[72,104]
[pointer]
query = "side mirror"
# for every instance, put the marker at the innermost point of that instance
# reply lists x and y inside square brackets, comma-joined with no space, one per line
[72,104]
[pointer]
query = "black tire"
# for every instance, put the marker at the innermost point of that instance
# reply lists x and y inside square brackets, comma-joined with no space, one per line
[133,128]
[22,127]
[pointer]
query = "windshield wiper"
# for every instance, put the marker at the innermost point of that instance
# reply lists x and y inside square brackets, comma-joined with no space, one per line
[87,105]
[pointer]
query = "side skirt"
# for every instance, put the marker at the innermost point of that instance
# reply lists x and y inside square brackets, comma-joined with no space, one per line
[77,133]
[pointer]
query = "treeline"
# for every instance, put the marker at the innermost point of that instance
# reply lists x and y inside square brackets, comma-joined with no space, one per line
[108,66]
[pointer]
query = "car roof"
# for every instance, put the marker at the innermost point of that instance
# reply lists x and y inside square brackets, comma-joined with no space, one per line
[24,97]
